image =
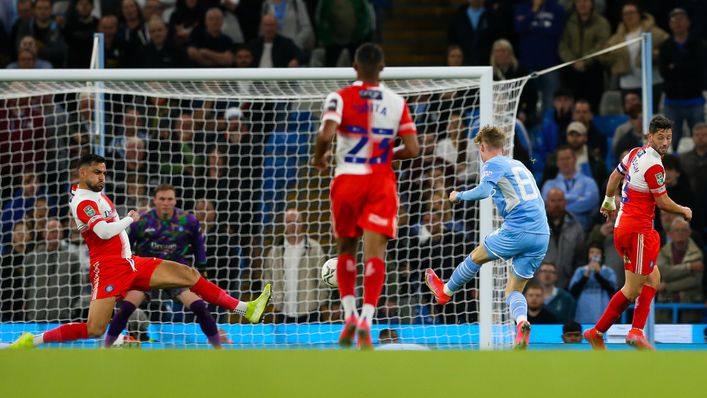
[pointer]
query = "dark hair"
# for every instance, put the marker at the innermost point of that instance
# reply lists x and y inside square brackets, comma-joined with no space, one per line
[658,123]
[672,162]
[369,56]
[564,147]
[595,245]
[453,47]
[563,92]
[583,101]
[636,4]
[532,284]
[635,110]
[571,326]
[242,47]
[139,11]
[162,188]
[91,158]
[388,334]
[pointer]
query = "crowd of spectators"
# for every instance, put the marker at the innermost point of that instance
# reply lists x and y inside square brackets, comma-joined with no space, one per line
[185,33]
[239,164]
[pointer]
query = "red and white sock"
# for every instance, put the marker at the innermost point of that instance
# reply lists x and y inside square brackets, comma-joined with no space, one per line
[213,294]
[613,311]
[373,280]
[643,307]
[346,279]
[68,332]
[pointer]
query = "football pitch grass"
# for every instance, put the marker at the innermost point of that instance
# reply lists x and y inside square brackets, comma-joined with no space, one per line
[338,374]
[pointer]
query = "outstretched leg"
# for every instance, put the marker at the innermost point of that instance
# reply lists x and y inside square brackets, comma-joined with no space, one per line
[169,274]
[99,314]
[465,271]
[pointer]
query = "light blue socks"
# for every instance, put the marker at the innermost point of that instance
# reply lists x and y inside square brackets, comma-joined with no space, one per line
[518,305]
[465,271]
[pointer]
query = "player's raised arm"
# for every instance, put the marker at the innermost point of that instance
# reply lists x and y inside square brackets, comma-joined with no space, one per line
[106,230]
[88,213]
[481,191]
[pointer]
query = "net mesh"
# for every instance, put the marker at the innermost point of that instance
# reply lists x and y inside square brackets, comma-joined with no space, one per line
[237,152]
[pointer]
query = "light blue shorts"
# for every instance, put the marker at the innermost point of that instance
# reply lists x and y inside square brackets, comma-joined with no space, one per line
[526,251]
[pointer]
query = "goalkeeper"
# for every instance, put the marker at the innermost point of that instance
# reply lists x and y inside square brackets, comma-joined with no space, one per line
[172,234]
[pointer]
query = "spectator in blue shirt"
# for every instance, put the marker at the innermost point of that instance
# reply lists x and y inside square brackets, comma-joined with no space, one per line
[581,192]
[539,25]
[588,163]
[592,285]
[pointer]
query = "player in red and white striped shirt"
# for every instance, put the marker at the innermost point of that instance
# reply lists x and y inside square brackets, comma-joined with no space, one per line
[114,269]
[634,237]
[366,118]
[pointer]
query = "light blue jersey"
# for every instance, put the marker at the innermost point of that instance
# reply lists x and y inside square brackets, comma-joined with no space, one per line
[525,234]
[516,195]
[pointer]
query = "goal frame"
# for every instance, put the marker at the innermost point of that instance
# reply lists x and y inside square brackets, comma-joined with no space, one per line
[484,74]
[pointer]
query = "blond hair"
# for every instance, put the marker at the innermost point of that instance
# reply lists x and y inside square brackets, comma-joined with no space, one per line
[502,43]
[491,136]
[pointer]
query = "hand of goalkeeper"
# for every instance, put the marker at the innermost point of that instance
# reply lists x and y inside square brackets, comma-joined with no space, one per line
[608,207]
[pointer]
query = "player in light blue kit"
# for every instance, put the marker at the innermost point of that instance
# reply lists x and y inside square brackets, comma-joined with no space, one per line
[523,237]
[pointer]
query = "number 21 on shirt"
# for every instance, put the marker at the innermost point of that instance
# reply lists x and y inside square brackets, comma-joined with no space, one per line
[381,152]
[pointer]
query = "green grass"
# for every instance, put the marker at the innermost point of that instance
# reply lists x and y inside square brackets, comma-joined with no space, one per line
[339,374]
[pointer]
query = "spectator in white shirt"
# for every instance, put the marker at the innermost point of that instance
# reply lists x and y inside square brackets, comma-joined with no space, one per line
[293,266]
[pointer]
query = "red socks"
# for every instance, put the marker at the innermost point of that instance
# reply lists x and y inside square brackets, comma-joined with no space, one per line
[373,280]
[643,306]
[68,332]
[214,295]
[613,311]
[346,275]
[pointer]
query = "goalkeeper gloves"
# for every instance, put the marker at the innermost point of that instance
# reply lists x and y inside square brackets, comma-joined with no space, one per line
[609,203]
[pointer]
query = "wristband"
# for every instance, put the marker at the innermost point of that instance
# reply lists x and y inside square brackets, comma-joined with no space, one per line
[608,203]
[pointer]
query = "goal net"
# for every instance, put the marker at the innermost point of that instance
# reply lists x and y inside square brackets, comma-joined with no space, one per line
[237,151]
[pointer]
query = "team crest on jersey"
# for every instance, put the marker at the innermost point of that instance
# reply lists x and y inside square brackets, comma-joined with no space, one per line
[332,104]
[660,177]
[370,94]
[89,211]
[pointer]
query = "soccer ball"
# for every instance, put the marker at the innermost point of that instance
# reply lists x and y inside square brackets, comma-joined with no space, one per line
[329,273]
